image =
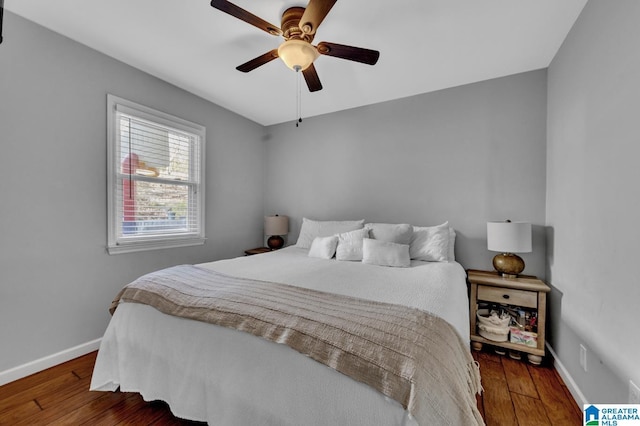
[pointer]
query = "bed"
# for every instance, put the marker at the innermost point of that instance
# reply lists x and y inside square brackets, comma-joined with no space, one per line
[227,376]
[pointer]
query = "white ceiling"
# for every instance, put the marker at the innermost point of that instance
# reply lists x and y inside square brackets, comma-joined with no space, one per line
[424,45]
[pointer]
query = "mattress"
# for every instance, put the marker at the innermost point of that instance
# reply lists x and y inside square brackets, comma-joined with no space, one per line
[227,377]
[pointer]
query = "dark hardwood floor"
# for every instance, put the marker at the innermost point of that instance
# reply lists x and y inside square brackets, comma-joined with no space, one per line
[518,393]
[515,394]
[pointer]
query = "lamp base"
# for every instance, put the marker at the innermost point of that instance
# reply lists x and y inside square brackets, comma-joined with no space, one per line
[275,242]
[509,265]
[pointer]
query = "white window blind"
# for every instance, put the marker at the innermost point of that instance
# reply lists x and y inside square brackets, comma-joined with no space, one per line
[156,185]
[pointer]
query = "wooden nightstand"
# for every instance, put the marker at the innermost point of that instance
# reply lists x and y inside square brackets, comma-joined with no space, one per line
[257,250]
[526,292]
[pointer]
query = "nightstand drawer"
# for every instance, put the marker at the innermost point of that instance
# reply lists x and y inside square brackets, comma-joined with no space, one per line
[509,296]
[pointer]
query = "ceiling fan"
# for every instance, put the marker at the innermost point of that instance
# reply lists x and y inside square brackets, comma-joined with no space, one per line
[298,28]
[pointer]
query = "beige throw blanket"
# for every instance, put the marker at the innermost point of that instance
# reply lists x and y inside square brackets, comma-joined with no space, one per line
[409,355]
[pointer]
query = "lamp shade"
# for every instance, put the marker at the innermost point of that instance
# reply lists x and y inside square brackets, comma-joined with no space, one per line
[509,237]
[276,225]
[297,53]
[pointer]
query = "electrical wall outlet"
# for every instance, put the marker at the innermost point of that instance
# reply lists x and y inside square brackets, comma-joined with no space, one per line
[634,393]
[583,357]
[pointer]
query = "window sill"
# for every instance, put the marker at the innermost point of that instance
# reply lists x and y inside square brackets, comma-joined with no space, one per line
[154,245]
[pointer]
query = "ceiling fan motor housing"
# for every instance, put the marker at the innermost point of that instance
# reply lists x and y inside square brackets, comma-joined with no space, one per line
[290,25]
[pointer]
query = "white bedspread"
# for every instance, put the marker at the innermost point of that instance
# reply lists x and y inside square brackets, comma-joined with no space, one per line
[227,377]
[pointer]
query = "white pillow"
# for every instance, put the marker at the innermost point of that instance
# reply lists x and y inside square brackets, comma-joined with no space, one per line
[430,243]
[323,247]
[452,244]
[390,232]
[315,228]
[350,244]
[384,253]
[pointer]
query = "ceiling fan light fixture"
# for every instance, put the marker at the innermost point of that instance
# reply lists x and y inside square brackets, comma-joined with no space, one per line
[297,54]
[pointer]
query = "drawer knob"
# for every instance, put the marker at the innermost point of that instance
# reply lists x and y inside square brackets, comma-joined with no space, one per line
[505,296]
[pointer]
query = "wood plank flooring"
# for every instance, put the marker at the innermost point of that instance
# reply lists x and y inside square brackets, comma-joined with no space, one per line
[518,393]
[515,394]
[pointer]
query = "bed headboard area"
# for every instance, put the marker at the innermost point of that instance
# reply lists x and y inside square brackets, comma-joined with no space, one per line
[472,253]
[467,155]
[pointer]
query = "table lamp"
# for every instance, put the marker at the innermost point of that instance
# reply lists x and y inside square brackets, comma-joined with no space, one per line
[509,238]
[275,227]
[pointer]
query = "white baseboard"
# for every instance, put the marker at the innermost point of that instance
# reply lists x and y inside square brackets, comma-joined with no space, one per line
[38,365]
[577,394]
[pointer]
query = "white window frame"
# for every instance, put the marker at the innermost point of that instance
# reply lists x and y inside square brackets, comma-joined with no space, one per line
[116,243]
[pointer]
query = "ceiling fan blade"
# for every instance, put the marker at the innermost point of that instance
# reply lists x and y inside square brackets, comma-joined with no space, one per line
[358,54]
[312,79]
[259,61]
[245,16]
[314,14]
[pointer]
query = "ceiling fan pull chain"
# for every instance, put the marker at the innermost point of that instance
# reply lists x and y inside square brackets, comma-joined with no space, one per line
[297,68]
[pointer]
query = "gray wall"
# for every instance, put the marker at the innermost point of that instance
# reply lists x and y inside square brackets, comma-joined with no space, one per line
[56,279]
[593,198]
[467,155]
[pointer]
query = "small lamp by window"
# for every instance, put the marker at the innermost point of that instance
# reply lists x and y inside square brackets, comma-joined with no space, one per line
[275,227]
[509,238]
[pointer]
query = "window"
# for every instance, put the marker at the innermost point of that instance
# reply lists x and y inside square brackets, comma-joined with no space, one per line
[155,179]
